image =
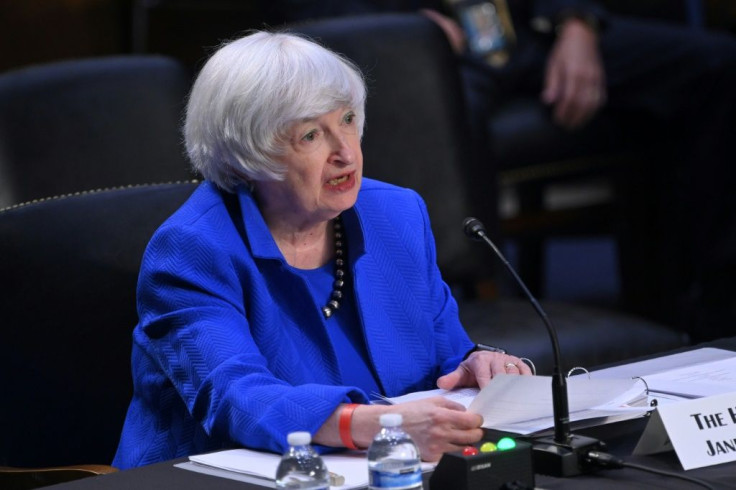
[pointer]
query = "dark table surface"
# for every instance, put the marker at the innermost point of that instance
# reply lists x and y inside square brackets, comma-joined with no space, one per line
[620,437]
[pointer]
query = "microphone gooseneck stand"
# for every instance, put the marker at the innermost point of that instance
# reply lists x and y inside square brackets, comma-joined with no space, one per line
[565,454]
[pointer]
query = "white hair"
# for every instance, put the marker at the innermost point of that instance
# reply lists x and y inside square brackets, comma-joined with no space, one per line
[249,93]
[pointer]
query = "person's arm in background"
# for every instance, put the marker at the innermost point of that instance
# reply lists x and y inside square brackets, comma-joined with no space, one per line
[575,79]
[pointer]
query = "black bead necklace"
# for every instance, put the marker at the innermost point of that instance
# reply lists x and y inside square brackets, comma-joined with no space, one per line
[336,295]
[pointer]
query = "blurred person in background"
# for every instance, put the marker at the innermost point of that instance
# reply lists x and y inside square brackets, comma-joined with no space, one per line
[659,80]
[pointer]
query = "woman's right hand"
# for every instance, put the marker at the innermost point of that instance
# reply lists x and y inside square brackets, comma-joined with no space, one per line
[436,424]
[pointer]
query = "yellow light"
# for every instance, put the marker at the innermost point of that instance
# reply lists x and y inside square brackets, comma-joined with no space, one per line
[487,447]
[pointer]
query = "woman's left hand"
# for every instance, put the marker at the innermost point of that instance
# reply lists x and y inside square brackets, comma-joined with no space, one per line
[480,367]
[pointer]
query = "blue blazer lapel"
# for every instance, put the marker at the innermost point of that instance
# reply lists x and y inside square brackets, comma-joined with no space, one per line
[397,331]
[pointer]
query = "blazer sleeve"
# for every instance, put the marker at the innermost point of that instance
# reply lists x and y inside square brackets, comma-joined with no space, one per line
[194,327]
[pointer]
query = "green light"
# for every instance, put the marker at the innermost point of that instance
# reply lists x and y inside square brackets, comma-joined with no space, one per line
[506,443]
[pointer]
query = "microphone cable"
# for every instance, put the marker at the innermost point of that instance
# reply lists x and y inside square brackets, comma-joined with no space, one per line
[609,461]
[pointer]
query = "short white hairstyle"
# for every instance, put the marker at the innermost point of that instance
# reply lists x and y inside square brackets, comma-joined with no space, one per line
[248,94]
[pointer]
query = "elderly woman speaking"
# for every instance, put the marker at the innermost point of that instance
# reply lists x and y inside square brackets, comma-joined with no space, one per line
[289,291]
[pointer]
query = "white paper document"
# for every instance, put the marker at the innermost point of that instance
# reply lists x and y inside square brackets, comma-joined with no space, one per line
[707,379]
[692,374]
[523,404]
[260,467]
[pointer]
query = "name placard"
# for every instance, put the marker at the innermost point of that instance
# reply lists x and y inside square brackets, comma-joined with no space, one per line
[702,431]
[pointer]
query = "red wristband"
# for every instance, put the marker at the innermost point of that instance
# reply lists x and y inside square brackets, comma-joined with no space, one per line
[345,422]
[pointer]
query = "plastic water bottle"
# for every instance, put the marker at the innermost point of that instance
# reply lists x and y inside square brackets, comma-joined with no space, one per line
[301,467]
[393,458]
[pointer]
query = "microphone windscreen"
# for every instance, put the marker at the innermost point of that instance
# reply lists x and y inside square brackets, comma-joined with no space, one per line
[474,228]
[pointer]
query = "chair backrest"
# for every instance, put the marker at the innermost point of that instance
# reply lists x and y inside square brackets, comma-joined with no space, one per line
[417,134]
[85,124]
[68,270]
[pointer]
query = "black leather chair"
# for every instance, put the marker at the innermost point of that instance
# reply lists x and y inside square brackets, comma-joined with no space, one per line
[69,268]
[417,136]
[85,124]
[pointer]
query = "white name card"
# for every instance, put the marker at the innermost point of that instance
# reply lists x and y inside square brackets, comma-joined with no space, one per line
[701,431]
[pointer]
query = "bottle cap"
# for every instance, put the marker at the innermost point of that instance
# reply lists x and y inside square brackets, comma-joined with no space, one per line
[391,419]
[299,438]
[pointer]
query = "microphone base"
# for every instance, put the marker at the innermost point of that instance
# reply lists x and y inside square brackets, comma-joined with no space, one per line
[564,459]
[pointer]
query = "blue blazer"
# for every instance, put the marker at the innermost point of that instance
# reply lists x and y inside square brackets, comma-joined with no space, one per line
[231,350]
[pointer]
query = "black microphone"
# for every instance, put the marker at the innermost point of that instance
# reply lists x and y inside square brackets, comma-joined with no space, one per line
[564,454]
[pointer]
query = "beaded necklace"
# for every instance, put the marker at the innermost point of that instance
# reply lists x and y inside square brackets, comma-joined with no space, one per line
[340,259]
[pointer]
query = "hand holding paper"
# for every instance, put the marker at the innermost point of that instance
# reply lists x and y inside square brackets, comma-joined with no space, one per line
[523,404]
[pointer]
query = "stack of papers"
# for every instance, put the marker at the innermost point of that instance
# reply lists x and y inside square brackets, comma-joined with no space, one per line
[523,404]
[691,374]
[260,468]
